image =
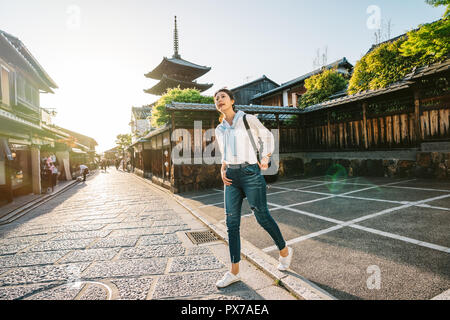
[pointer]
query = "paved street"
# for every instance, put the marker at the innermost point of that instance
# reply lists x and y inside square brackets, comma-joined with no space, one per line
[356,238]
[116,237]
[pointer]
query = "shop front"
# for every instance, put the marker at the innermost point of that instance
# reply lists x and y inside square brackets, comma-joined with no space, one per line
[15,169]
[77,157]
[20,169]
[5,175]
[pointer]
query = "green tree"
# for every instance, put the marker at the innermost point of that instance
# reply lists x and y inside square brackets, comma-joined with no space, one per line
[392,61]
[437,3]
[381,67]
[429,44]
[160,116]
[321,86]
[123,141]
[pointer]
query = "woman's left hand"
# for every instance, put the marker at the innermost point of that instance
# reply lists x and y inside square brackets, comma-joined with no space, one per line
[264,164]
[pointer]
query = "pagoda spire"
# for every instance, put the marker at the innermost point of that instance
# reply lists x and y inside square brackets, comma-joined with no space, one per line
[175,41]
[176,72]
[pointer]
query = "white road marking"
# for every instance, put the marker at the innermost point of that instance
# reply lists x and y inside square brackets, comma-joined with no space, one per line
[352,224]
[432,207]
[305,237]
[217,203]
[402,238]
[311,214]
[204,195]
[398,187]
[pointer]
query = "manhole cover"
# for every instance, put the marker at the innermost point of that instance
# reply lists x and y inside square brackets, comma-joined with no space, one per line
[202,237]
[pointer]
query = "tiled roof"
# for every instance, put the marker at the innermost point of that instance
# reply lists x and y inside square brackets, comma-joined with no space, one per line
[159,130]
[429,70]
[166,82]
[403,84]
[77,135]
[142,112]
[181,67]
[301,78]
[357,97]
[251,108]
[188,64]
[254,81]
[23,58]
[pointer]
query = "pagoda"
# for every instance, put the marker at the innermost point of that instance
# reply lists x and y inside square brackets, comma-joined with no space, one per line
[176,72]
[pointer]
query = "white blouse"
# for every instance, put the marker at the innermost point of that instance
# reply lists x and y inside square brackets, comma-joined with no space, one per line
[234,142]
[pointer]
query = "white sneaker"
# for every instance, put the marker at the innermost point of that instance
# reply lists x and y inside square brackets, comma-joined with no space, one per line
[285,262]
[228,279]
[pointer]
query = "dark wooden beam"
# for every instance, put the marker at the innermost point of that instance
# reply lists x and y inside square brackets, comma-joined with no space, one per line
[364,107]
[417,127]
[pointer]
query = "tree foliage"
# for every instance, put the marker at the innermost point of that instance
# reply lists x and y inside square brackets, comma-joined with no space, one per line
[428,44]
[123,141]
[437,3]
[321,86]
[392,61]
[160,116]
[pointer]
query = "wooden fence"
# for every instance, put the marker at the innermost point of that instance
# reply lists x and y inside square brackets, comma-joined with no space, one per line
[399,120]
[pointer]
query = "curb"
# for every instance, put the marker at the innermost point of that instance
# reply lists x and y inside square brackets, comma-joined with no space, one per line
[292,281]
[443,296]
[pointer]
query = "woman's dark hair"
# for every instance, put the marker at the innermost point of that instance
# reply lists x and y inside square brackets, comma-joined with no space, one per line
[228,92]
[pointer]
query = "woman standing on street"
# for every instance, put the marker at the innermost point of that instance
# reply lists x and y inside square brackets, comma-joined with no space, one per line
[241,175]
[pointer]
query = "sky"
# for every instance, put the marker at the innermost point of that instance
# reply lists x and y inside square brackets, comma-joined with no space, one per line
[97,51]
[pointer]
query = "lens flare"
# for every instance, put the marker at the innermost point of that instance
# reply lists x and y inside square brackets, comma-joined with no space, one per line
[336,174]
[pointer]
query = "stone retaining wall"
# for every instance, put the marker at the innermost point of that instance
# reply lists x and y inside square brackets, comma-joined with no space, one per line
[195,177]
[434,165]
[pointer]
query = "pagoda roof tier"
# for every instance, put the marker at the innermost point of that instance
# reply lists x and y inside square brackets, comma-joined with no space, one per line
[177,67]
[167,83]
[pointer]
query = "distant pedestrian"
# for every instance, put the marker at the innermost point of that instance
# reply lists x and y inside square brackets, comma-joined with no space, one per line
[54,170]
[84,171]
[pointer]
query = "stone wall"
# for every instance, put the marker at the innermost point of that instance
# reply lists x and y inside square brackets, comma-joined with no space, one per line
[200,177]
[433,165]
[195,177]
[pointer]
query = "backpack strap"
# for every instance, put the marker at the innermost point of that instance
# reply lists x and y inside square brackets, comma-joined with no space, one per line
[249,132]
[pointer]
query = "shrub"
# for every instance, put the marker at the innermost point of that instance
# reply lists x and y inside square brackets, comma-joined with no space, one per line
[321,86]
[160,116]
[392,61]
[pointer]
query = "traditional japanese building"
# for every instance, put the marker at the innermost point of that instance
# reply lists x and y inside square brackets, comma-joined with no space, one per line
[288,93]
[22,79]
[174,72]
[140,122]
[28,136]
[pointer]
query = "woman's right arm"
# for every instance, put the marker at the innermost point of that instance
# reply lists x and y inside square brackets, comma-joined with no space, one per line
[223,169]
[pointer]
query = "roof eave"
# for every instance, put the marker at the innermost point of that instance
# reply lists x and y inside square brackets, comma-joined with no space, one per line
[26,54]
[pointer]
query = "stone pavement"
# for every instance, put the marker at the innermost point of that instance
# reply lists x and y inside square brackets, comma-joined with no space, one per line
[117,237]
[29,199]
